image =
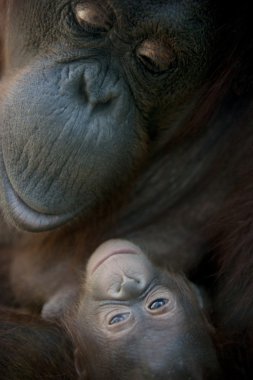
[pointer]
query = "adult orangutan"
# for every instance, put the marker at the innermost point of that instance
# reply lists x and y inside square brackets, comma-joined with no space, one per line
[131,120]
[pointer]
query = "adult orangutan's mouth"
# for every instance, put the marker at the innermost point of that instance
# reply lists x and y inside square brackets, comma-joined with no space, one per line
[25,217]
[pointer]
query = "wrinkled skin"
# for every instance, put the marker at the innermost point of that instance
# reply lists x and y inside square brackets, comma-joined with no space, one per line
[146,321]
[97,110]
[120,119]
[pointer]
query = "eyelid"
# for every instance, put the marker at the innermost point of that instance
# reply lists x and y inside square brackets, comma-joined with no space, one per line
[109,310]
[90,25]
[156,56]
[158,292]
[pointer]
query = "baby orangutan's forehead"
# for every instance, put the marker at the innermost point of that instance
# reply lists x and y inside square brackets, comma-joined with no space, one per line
[176,352]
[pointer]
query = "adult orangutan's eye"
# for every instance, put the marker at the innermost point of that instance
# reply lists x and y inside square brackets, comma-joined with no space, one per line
[158,303]
[92,18]
[155,56]
[119,318]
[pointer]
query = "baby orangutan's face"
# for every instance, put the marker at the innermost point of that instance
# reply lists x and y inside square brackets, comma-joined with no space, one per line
[143,315]
[127,288]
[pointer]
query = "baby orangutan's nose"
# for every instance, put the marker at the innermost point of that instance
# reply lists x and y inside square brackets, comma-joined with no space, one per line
[128,288]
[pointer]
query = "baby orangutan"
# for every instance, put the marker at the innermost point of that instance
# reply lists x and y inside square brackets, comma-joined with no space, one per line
[136,321]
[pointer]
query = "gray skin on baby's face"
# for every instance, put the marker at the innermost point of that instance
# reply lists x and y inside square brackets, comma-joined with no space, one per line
[147,323]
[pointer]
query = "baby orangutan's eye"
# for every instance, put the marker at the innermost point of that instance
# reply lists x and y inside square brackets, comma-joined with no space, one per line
[158,303]
[119,318]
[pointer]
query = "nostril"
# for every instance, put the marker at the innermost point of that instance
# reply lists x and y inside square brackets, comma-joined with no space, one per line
[103,104]
[126,289]
[83,93]
[100,86]
[131,286]
[97,100]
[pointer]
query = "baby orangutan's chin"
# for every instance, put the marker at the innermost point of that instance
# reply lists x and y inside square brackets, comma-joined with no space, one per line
[108,249]
[118,270]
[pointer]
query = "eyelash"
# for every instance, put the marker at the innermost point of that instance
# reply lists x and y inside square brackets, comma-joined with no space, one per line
[160,301]
[89,28]
[122,317]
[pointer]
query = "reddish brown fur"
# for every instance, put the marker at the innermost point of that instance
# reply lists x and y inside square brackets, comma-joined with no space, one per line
[46,353]
[233,300]
[31,348]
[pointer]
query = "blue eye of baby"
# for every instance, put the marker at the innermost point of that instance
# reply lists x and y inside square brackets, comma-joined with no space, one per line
[160,302]
[118,318]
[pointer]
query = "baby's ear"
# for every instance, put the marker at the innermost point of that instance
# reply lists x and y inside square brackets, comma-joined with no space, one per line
[205,305]
[59,304]
[202,297]
[79,366]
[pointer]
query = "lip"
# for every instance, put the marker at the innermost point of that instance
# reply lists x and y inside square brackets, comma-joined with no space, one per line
[26,217]
[114,253]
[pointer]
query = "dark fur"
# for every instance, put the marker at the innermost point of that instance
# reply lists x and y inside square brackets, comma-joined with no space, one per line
[233,301]
[227,233]
[32,349]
